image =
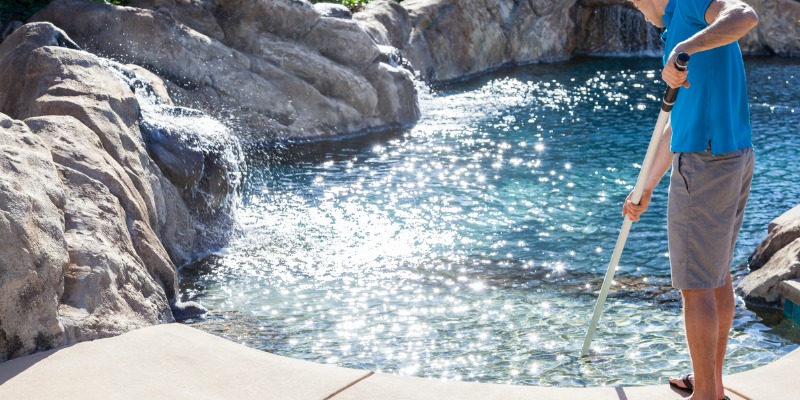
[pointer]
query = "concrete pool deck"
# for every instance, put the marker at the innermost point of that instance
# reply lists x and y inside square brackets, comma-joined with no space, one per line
[175,361]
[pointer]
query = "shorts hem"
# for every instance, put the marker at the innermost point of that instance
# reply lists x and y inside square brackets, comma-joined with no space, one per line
[698,285]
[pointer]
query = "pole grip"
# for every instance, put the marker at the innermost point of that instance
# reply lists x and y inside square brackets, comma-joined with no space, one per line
[672,93]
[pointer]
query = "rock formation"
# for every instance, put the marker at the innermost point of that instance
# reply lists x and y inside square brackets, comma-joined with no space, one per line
[272,69]
[451,39]
[776,259]
[91,228]
[106,185]
[607,27]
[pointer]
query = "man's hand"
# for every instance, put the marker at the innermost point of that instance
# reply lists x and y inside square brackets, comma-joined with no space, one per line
[634,211]
[671,74]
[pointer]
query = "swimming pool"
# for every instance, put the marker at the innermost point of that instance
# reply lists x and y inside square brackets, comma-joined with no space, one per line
[471,246]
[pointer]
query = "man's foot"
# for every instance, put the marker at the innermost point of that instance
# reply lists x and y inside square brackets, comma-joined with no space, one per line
[685,382]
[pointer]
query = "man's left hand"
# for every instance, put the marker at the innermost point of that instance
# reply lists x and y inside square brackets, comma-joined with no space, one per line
[670,74]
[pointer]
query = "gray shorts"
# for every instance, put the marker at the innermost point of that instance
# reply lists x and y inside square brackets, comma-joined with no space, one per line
[707,195]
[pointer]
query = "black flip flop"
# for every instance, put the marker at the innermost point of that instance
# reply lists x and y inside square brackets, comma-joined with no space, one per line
[686,381]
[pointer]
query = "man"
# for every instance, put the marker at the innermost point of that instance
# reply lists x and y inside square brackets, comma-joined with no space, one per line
[708,145]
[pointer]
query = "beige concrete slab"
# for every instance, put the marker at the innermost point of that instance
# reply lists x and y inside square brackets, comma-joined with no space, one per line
[386,387]
[170,361]
[393,387]
[779,380]
[179,362]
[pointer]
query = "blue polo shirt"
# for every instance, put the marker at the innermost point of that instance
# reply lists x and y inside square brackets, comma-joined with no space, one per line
[714,109]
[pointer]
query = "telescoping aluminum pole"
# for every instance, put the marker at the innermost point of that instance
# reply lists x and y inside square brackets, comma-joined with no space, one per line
[666,107]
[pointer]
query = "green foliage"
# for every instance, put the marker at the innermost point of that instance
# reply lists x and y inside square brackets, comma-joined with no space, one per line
[353,5]
[21,10]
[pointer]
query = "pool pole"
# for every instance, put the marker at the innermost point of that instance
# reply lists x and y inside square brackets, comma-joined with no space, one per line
[663,117]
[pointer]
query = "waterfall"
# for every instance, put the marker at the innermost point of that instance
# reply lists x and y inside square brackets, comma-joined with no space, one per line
[616,30]
[197,153]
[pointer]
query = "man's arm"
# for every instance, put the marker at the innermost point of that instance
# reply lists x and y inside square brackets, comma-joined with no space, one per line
[661,163]
[728,21]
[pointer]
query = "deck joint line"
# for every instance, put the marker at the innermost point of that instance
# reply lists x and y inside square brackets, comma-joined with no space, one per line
[351,385]
[738,394]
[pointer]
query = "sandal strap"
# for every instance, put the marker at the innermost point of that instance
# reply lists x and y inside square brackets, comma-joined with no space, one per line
[688,382]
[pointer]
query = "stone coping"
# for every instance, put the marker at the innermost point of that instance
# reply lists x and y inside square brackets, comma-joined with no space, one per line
[790,290]
[176,361]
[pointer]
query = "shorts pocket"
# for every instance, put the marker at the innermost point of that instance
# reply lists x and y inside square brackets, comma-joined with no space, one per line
[683,168]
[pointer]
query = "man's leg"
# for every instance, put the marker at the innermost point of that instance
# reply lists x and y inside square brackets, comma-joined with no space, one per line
[726,308]
[702,332]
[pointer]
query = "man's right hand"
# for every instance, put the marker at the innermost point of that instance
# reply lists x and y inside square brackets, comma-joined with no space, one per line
[634,211]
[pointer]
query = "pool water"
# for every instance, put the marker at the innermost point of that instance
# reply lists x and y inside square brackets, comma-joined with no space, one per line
[472,246]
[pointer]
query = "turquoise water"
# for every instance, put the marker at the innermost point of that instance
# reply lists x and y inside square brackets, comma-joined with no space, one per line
[471,246]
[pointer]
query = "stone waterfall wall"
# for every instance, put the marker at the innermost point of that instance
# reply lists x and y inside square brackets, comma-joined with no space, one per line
[90,226]
[608,27]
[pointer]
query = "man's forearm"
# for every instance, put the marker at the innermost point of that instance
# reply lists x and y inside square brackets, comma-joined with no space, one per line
[662,161]
[728,20]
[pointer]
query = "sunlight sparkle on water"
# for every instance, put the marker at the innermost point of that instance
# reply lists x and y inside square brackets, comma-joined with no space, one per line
[472,246]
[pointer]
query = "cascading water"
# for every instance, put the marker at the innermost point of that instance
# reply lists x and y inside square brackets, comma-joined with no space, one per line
[616,30]
[197,153]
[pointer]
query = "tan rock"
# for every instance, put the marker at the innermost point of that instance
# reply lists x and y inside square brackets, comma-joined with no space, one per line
[91,228]
[776,259]
[781,232]
[33,251]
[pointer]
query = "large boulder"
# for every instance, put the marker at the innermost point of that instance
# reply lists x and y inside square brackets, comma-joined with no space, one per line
[91,227]
[777,32]
[33,254]
[450,39]
[776,259]
[272,69]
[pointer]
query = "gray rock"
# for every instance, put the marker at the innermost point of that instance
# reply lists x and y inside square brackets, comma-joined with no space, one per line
[777,32]
[387,22]
[196,14]
[281,69]
[776,259]
[291,19]
[8,29]
[453,39]
[187,310]
[342,41]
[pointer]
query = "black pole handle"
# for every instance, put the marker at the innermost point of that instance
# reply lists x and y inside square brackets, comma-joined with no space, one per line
[672,93]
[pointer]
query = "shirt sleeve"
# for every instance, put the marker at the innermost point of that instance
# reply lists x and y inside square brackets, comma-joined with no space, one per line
[695,10]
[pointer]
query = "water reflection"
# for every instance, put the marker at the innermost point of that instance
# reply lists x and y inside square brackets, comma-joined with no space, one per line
[472,246]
